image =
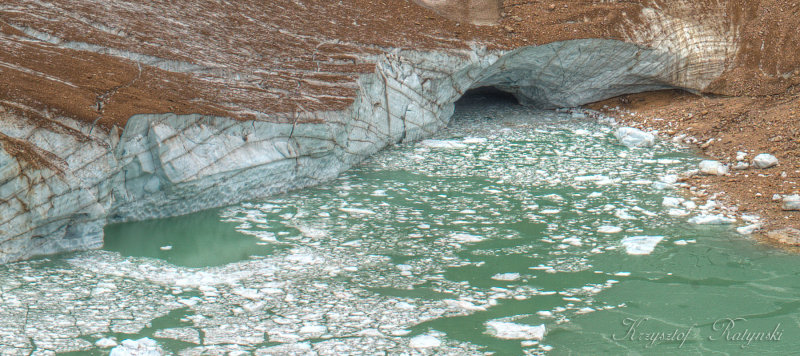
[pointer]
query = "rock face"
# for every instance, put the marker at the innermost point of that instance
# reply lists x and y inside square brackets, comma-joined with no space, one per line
[143,110]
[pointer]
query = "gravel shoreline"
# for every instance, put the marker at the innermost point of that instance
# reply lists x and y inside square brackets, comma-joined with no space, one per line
[720,128]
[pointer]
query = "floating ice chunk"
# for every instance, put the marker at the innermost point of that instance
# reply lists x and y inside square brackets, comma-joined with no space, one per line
[595,195]
[641,182]
[689,205]
[574,241]
[142,347]
[622,274]
[669,178]
[512,331]
[424,342]
[553,197]
[511,276]
[473,140]
[266,236]
[592,178]
[288,349]
[607,229]
[463,304]
[667,161]
[405,306]
[677,212]
[550,211]
[304,258]
[713,168]
[248,293]
[352,243]
[106,342]
[582,132]
[585,310]
[312,233]
[165,248]
[313,329]
[641,245]
[466,238]
[544,313]
[633,138]
[749,229]
[371,332]
[681,242]
[765,161]
[671,202]
[379,193]
[717,219]
[357,211]
[623,214]
[644,211]
[445,144]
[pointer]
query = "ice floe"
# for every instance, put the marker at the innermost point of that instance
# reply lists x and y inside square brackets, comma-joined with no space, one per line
[511,331]
[641,245]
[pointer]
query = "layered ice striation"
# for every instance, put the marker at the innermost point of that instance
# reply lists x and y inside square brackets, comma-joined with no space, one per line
[79,178]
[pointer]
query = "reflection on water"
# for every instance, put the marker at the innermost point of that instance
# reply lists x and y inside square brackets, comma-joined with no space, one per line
[514,231]
[196,240]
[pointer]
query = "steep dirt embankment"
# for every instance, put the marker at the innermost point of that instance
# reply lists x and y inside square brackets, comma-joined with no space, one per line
[131,110]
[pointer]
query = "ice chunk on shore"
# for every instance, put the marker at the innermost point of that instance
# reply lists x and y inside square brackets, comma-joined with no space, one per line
[511,331]
[791,202]
[641,245]
[765,160]
[749,229]
[713,168]
[634,138]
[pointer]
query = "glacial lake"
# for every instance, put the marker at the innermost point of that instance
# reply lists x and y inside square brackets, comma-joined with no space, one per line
[513,231]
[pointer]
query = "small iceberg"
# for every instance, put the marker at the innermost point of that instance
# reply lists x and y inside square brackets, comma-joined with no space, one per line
[641,245]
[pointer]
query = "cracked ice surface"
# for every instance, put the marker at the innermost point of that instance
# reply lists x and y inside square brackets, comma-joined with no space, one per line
[369,261]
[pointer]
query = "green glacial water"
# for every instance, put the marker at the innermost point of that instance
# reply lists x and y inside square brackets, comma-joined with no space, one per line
[509,223]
